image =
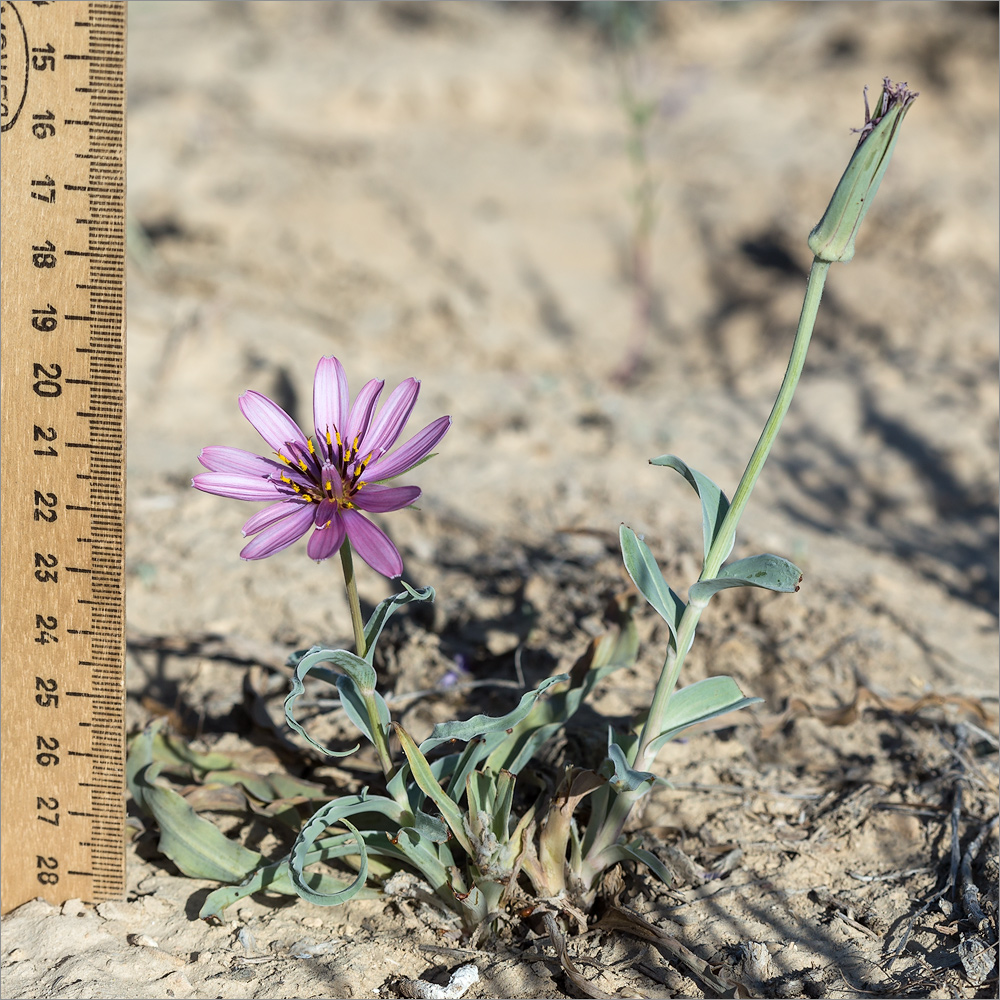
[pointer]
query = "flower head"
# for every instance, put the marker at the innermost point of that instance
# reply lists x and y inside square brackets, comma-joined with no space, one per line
[326,481]
[833,237]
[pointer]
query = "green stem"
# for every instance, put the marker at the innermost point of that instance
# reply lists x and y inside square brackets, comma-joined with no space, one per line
[722,544]
[615,810]
[347,561]
[380,740]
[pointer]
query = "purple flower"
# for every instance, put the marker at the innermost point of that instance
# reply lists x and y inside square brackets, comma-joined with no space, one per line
[326,481]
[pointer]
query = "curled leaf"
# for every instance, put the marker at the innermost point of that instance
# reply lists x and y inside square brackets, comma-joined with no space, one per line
[299,855]
[385,610]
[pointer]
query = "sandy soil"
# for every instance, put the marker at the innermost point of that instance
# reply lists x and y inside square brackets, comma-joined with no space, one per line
[442,190]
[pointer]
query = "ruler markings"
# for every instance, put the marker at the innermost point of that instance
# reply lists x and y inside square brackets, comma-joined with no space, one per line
[91,39]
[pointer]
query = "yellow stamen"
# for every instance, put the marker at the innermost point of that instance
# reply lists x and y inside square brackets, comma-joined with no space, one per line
[294,486]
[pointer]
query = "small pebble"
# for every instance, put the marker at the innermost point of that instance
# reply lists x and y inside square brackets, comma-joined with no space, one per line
[141,941]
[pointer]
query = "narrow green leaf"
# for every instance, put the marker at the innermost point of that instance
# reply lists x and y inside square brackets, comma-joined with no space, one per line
[360,671]
[256,784]
[714,503]
[647,577]
[480,791]
[705,699]
[480,725]
[276,877]
[318,671]
[502,805]
[286,785]
[431,828]
[175,751]
[424,777]
[766,571]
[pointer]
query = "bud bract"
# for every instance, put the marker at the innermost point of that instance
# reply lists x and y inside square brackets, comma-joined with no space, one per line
[833,239]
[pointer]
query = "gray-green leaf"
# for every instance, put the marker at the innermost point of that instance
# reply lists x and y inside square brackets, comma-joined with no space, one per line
[624,778]
[385,611]
[714,503]
[648,579]
[297,860]
[479,725]
[198,848]
[767,571]
[699,702]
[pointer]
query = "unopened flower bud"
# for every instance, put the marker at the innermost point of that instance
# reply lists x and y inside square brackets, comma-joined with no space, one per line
[833,239]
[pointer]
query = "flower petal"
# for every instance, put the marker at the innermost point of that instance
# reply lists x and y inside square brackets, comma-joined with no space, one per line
[238,487]
[279,535]
[361,412]
[380,499]
[406,456]
[325,511]
[271,515]
[391,419]
[324,542]
[331,399]
[221,458]
[270,421]
[372,544]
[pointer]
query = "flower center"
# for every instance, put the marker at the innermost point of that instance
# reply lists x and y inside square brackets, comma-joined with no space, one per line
[329,474]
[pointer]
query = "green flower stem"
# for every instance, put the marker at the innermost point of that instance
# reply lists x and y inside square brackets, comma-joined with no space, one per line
[619,806]
[722,544]
[347,561]
[361,648]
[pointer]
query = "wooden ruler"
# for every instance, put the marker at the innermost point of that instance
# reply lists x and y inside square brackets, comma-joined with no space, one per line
[62,451]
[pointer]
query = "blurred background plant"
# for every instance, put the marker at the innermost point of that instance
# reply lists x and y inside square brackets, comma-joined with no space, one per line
[626,28]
